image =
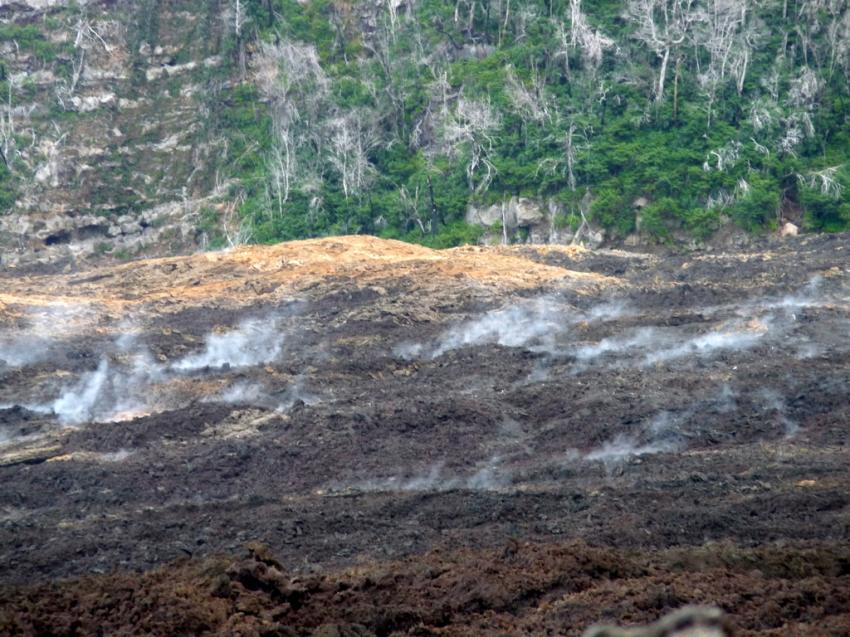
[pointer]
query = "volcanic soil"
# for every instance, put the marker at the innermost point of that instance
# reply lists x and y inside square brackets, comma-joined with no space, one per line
[353,436]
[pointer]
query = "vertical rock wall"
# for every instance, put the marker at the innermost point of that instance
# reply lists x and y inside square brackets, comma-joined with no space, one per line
[106,110]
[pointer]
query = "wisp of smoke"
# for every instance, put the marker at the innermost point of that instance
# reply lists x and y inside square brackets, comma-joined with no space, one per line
[610,311]
[639,339]
[431,482]
[131,387]
[245,393]
[297,392]
[726,400]
[535,324]
[516,326]
[663,346]
[623,447]
[408,351]
[45,326]
[773,401]
[253,342]
[705,345]
[488,477]
[77,404]
[114,456]
[109,391]
[20,350]
[809,296]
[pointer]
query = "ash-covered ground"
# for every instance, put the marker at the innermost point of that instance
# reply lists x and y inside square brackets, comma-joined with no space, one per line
[475,441]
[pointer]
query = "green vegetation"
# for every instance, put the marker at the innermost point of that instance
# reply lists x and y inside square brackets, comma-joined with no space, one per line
[601,104]
[30,39]
[669,116]
[7,192]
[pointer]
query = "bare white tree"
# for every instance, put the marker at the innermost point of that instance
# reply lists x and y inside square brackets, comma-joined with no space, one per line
[824,181]
[797,122]
[237,231]
[591,42]
[282,166]
[85,31]
[350,137]
[469,129]
[823,29]
[723,158]
[8,142]
[728,32]
[570,155]
[664,26]
[410,205]
[292,81]
[530,103]
[574,141]
[236,20]
[86,36]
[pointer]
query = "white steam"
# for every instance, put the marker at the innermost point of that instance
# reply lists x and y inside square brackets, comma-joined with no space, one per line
[622,447]
[121,389]
[489,476]
[296,392]
[610,311]
[245,393]
[726,402]
[77,404]
[654,345]
[547,325]
[535,324]
[663,433]
[111,392]
[44,327]
[20,350]
[255,394]
[115,456]
[641,338]
[808,296]
[735,337]
[536,321]
[253,342]
[772,401]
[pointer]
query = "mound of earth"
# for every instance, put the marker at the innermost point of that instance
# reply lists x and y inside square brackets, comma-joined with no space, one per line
[522,589]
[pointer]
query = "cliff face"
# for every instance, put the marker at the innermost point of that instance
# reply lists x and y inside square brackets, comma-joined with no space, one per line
[154,127]
[106,131]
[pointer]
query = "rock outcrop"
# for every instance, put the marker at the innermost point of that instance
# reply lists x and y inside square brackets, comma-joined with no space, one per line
[524,220]
[115,149]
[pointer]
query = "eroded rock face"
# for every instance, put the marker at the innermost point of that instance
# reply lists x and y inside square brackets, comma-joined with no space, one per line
[524,220]
[517,212]
[117,150]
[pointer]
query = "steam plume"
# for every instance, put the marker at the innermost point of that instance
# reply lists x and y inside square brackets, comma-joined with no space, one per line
[77,404]
[254,342]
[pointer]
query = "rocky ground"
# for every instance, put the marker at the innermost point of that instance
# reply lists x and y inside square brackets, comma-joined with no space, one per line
[498,441]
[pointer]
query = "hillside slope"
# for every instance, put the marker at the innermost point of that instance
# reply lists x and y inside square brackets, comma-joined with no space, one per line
[144,128]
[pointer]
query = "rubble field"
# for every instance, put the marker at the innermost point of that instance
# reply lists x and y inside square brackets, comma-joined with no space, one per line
[354,436]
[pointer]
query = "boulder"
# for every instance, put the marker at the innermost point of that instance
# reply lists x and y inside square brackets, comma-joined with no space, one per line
[527,212]
[789,230]
[491,215]
[632,241]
